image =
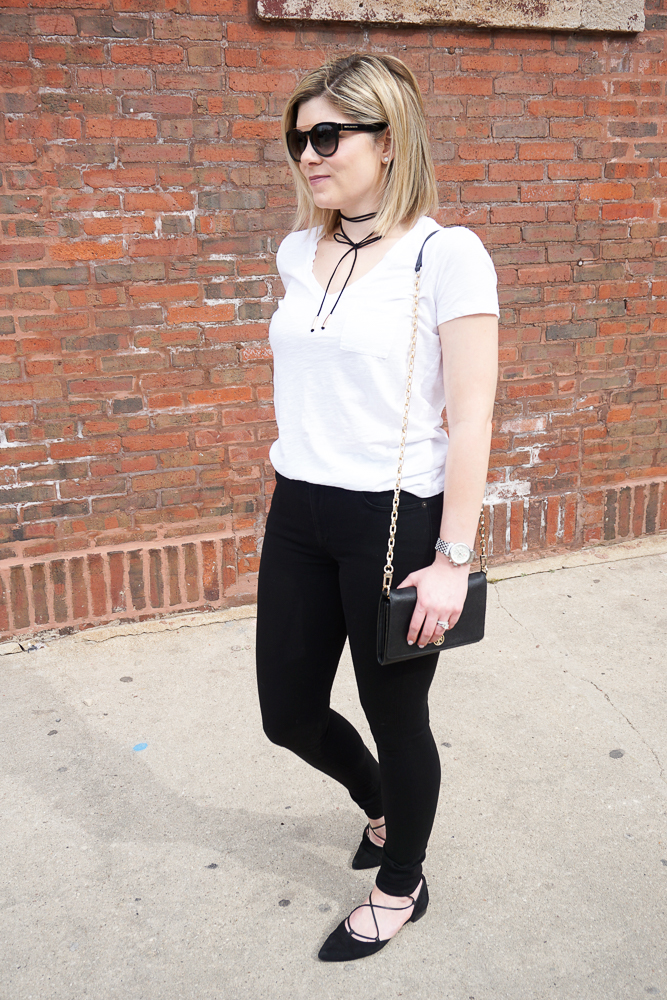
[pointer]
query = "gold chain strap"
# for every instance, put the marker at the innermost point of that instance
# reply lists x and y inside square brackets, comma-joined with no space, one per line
[482,540]
[389,564]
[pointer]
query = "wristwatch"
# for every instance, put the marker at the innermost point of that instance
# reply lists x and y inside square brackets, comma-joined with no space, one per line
[458,553]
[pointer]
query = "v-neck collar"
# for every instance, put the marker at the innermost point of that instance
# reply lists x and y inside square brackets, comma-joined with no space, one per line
[315,237]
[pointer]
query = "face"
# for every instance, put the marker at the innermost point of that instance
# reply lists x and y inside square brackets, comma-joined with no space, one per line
[351,180]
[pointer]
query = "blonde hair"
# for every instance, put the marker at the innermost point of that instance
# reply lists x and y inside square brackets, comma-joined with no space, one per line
[370,89]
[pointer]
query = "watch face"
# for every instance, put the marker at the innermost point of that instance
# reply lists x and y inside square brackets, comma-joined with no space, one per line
[459,552]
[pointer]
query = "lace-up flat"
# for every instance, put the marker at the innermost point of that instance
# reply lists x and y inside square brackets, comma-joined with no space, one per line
[369,855]
[341,946]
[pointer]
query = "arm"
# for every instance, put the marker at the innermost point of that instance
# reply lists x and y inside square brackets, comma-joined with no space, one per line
[470,363]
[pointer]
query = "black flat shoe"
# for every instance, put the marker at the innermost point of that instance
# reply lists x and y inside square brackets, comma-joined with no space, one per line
[340,946]
[369,855]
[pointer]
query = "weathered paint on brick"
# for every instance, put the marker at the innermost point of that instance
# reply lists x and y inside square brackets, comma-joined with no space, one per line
[603,15]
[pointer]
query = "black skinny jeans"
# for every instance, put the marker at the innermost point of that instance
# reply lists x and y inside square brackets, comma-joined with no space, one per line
[320,580]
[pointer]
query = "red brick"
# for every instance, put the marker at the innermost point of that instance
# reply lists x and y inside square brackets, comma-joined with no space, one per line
[39,595]
[546,108]
[120,224]
[606,192]
[633,211]
[522,84]
[463,85]
[487,151]
[155,578]
[574,171]
[162,480]
[163,153]
[147,54]
[158,201]
[188,80]
[54,24]
[59,586]
[78,588]
[515,172]
[154,442]
[117,580]
[230,394]
[115,79]
[77,449]
[550,63]
[530,389]
[136,578]
[98,595]
[201,314]
[490,193]
[546,151]
[548,192]
[166,247]
[491,63]
[215,7]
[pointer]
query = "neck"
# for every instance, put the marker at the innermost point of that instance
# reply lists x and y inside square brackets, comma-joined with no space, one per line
[357,222]
[359,218]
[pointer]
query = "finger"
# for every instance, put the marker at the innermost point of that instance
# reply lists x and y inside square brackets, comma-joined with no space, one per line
[428,629]
[416,623]
[408,582]
[442,624]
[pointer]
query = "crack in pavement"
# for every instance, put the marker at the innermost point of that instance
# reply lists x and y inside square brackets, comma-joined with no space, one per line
[624,716]
[661,770]
[508,612]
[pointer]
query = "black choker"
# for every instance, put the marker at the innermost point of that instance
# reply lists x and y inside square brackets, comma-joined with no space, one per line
[358,218]
[342,237]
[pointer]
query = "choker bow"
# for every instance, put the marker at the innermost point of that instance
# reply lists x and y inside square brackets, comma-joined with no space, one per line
[342,237]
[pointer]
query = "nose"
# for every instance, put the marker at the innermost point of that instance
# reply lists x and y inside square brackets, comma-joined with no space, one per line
[309,155]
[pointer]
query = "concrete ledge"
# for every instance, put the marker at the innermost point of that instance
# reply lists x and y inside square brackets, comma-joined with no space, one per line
[655,546]
[638,548]
[566,15]
[167,624]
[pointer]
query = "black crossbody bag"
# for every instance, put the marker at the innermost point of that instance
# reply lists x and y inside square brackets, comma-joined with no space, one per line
[397,606]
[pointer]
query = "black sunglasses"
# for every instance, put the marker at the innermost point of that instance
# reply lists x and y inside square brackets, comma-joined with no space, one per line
[323,137]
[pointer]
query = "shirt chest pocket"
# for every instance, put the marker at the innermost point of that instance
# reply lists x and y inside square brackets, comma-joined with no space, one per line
[373,332]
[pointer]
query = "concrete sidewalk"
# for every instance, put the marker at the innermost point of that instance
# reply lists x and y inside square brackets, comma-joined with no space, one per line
[210,865]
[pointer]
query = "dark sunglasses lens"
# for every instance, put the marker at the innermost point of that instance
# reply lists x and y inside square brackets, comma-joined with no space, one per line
[296,143]
[324,139]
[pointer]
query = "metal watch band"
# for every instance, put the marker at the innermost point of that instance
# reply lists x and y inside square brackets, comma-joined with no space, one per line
[445,548]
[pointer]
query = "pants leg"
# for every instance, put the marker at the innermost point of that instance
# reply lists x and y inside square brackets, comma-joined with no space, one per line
[300,637]
[320,579]
[394,697]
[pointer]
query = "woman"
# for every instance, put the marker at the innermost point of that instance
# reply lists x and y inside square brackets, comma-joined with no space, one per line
[355,135]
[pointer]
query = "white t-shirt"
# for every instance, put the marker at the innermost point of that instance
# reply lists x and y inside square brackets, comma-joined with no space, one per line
[340,391]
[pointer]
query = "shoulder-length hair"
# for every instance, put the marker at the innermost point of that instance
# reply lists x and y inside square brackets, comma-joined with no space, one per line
[370,89]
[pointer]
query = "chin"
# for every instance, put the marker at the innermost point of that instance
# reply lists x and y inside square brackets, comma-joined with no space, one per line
[325,205]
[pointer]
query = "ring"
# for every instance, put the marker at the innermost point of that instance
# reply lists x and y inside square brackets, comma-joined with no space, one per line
[444,625]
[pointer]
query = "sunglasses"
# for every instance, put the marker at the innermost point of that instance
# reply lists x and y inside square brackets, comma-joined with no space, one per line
[323,137]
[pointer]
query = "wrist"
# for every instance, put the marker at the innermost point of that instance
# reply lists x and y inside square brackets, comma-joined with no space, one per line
[442,562]
[457,553]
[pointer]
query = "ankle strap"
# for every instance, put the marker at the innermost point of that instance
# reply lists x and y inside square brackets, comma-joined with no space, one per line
[373,907]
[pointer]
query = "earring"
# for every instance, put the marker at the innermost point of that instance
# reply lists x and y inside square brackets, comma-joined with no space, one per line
[385,159]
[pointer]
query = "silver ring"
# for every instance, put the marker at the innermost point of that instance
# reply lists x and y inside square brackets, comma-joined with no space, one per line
[444,625]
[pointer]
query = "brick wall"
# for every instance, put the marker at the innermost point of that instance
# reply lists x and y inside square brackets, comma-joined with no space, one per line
[143,195]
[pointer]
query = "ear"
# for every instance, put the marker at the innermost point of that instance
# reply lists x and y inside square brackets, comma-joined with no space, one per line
[387,147]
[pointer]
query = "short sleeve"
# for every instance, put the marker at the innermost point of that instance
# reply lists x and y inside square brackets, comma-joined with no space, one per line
[464,277]
[284,259]
[295,254]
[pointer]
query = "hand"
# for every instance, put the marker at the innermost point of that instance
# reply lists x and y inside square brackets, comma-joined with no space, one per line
[441,593]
